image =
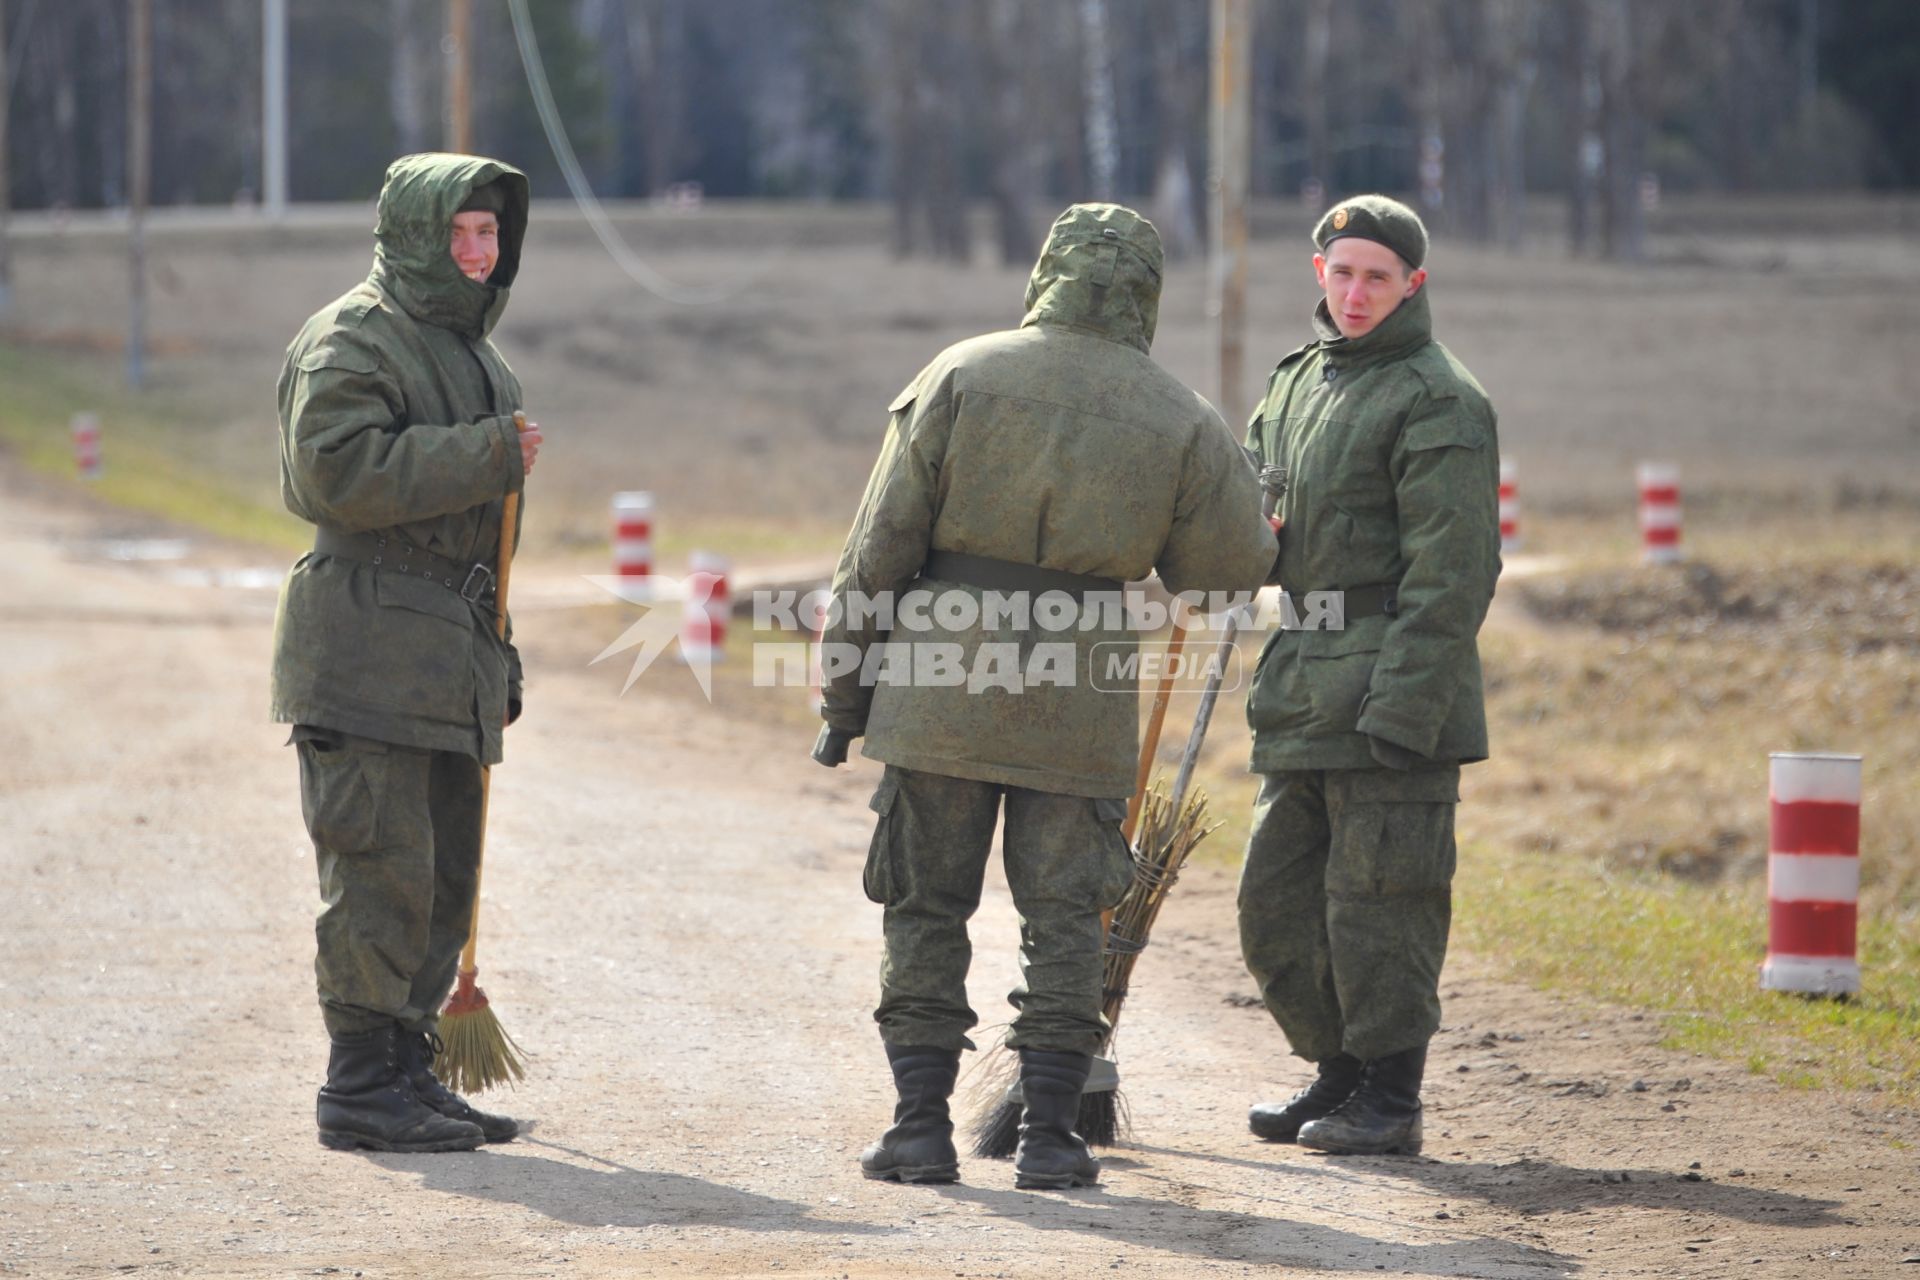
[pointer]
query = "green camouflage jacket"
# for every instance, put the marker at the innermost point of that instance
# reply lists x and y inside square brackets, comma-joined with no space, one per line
[396,419]
[1392,478]
[1059,444]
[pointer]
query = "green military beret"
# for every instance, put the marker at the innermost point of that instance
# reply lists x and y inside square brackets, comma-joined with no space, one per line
[488,197]
[1377,218]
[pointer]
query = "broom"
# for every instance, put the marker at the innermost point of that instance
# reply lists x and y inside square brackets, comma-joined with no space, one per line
[997,1099]
[477,1053]
[1171,831]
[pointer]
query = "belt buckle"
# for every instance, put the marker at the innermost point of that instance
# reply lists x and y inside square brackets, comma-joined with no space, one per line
[484,576]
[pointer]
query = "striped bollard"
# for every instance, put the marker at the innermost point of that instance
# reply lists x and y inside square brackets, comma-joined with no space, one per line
[1813,873]
[1509,507]
[703,625]
[633,537]
[86,445]
[1659,513]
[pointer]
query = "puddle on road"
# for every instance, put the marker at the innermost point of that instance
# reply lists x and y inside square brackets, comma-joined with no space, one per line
[139,550]
[166,553]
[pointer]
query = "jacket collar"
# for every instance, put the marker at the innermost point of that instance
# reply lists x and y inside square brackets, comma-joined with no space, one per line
[1409,328]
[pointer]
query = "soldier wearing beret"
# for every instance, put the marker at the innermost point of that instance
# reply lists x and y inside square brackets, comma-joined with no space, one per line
[1391,500]
[1053,462]
[397,442]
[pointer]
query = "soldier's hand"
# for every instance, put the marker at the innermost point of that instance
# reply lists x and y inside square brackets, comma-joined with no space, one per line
[830,748]
[530,441]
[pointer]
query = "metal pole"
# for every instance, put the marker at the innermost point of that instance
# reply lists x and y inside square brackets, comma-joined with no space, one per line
[459,76]
[6,193]
[139,174]
[1229,157]
[273,163]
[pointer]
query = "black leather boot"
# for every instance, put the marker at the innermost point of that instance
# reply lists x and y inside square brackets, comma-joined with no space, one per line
[1383,1115]
[1051,1156]
[418,1049]
[368,1101]
[919,1146]
[1280,1121]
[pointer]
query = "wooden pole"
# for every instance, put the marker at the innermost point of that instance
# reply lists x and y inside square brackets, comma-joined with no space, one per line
[459,76]
[139,176]
[1229,158]
[6,192]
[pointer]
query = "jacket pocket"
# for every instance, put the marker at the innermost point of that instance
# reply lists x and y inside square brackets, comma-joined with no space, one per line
[339,790]
[1112,815]
[878,878]
[1337,668]
[423,648]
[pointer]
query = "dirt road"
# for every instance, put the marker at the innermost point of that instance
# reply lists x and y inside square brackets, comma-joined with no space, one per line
[674,928]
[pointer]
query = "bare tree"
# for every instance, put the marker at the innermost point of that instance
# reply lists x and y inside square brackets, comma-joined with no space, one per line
[657,47]
[1005,35]
[1103,121]
[1318,52]
[926,76]
[407,80]
[1180,102]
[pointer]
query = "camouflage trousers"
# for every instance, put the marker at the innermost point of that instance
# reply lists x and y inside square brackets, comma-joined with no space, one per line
[1345,903]
[1066,863]
[396,832]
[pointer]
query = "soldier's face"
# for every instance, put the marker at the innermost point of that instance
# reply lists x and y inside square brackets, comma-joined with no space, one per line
[476,243]
[1364,281]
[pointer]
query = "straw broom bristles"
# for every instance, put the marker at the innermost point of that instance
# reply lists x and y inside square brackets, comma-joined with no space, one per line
[1163,845]
[477,1052]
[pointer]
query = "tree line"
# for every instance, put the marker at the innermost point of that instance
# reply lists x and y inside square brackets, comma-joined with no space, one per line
[940,105]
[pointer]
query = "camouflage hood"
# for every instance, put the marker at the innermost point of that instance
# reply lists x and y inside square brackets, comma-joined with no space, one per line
[413,260]
[1099,273]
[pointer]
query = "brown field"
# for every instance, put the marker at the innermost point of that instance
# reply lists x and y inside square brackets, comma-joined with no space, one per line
[1775,365]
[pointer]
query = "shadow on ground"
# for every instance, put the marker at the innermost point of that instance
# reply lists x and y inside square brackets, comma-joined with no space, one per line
[1169,1226]
[615,1195]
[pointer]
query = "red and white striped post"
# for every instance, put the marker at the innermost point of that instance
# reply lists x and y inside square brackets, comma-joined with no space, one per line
[1509,507]
[1813,873]
[86,445]
[633,535]
[1659,513]
[703,625]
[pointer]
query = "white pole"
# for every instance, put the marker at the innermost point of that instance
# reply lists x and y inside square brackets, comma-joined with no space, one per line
[273,161]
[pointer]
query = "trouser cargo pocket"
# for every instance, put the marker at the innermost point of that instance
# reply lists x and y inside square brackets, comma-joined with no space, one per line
[1118,855]
[878,878]
[340,788]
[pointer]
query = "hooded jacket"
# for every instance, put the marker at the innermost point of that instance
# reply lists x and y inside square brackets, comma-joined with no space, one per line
[396,420]
[1392,461]
[1061,445]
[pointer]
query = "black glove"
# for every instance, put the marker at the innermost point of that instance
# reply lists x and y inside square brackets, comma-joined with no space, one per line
[830,748]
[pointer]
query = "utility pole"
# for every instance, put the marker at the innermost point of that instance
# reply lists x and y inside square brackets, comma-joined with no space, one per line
[459,76]
[139,174]
[1230,133]
[6,193]
[273,166]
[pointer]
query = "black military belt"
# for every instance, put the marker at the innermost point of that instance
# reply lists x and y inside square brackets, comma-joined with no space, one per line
[1361,602]
[390,554]
[1010,575]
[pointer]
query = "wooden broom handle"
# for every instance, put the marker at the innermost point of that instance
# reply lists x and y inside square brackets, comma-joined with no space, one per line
[1150,743]
[503,566]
